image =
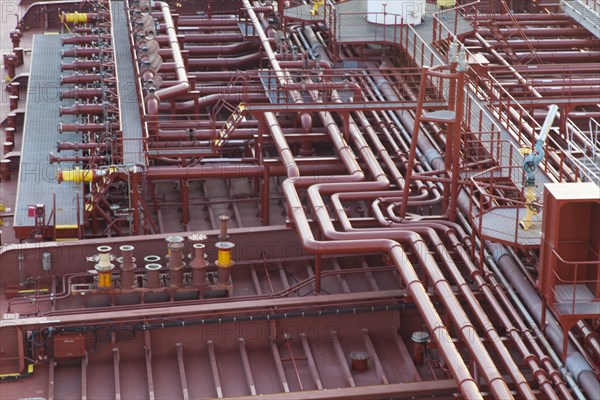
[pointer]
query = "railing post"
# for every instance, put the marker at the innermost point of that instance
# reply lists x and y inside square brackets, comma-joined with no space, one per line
[456,22]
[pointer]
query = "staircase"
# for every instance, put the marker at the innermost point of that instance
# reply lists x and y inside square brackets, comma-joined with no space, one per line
[591,169]
[99,192]
[510,53]
[588,155]
[231,124]
[586,12]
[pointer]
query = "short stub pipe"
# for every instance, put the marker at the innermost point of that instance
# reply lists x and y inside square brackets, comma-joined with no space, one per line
[127,262]
[153,275]
[224,262]
[419,345]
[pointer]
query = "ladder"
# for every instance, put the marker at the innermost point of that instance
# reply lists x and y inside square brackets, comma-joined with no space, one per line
[231,124]
[100,189]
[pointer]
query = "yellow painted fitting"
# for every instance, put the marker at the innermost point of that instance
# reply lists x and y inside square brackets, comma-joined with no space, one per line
[104,267]
[65,227]
[446,3]
[75,18]
[105,280]
[76,175]
[2,207]
[224,254]
[530,209]
[525,150]
[315,7]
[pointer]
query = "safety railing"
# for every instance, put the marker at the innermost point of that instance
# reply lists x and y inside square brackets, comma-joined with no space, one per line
[592,4]
[23,368]
[492,190]
[589,142]
[580,291]
[367,27]
[483,148]
[523,127]
[447,24]
[594,131]
[315,84]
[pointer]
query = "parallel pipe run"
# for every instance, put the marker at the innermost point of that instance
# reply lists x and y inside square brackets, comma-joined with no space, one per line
[450,231]
[466,329]
[467,386]
[184,85]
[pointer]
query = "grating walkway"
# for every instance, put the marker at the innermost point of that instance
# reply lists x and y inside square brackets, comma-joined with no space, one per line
[581,12]
[499,225]
[423,33]
[129,108]
[37,177]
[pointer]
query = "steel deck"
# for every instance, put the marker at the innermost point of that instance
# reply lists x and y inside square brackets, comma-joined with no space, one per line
[37,177]
[129,107]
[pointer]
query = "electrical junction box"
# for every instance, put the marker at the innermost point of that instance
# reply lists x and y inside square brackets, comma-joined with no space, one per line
[69,345]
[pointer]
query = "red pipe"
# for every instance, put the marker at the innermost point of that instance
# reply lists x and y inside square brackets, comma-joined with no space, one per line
[184,85]
[77,52]
[466,385]
[561,56]
[90,127]
[79,78]
[449,229]
[80,146]
[470,337]
[220,62]
[80,64]
[537,32]
[191,20]
[81,93]
[210,100]
[79,108]
[228,49]
[215,76]
[85,39]
[220,171]
[205,38]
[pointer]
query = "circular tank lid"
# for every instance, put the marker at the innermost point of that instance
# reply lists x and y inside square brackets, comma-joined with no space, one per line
[225,245]
[197,237]
[153,267]
[420,337]
[174,239]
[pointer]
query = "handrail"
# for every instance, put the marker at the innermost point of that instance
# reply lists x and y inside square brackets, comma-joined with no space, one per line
[505,98]
[594,130]
[573,262]
[590,141]
[458,10]
[575,281]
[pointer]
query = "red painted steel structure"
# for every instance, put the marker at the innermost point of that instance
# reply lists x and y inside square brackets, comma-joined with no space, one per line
[332,188]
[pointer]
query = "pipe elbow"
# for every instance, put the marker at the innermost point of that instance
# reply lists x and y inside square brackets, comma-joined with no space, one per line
[306,121]
[152,105]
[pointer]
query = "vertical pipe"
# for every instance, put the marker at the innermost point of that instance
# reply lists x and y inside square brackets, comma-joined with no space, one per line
[223,222]
[5,170]
[152,272]
[127,262]
[175,263]
[199,265]
[413,145]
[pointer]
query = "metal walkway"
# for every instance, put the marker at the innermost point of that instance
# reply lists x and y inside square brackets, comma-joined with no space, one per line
[37,177]
[582,12]
[423,33]
[129,107]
